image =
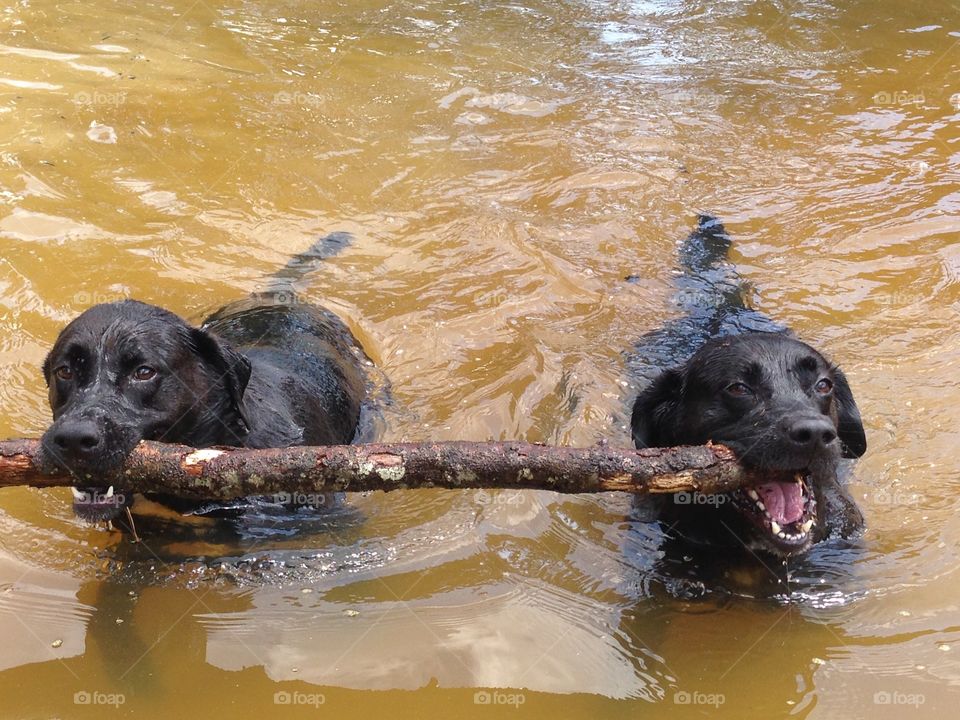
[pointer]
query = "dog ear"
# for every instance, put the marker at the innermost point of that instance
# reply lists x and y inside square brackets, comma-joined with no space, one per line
[47,362]
[849,424]
[229,367]
[655,411]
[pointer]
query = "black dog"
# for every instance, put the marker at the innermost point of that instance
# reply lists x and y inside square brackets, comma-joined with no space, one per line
[744,382]
[268,371]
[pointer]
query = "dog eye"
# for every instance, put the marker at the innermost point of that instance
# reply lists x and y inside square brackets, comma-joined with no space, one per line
[144,372]
[823,386]
[64,372]
[738,389]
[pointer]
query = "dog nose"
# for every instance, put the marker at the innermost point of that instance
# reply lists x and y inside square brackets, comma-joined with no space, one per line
[77,439]
[812,433]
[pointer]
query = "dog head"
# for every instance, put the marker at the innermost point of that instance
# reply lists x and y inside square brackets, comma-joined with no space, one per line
[125,372]
[786,412]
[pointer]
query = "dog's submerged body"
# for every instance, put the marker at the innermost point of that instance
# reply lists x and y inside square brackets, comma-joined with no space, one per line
[727,374]
[267,371]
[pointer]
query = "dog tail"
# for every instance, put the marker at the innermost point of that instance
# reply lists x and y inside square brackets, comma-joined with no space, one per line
[709,286]
[706,247]
[301,264]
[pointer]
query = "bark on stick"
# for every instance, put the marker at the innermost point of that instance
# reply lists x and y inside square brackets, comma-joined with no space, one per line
[223,473]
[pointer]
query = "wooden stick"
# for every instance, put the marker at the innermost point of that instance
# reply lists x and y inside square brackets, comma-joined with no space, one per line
[222,473]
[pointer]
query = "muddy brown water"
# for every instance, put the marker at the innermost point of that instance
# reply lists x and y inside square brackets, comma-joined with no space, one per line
[501,167]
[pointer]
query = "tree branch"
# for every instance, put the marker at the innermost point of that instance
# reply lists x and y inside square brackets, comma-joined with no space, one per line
[222,473]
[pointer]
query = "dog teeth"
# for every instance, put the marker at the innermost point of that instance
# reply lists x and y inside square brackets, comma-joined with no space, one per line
[77,495]
[752,494]
[109,492]
[775,528]
[807,525]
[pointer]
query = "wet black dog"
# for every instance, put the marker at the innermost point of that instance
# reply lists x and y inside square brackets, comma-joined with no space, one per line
[742,381]
[267,371]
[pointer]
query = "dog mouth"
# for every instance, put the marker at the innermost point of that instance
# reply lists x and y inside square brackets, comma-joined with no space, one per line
[782,509]
[98,504]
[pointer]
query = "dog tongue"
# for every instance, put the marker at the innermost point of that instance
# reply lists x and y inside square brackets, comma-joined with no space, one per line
[783,500]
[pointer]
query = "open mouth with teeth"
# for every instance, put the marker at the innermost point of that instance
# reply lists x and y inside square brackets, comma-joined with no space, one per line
[783,509]
[97,504]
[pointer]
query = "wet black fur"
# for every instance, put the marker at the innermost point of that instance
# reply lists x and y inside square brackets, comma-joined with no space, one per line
[267,371]
[688,370]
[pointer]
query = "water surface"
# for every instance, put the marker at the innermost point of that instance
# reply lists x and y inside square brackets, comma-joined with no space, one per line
[502,168]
